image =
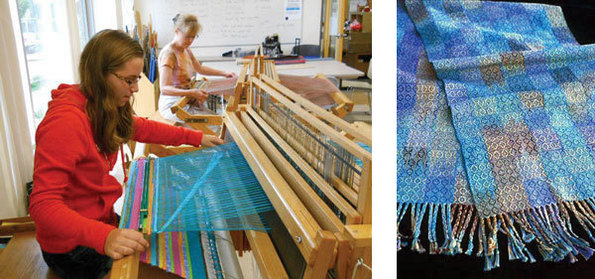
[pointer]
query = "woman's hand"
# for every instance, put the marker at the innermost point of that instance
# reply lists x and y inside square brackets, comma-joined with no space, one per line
[230,75]
[210,141]
[199,95]
[123,242]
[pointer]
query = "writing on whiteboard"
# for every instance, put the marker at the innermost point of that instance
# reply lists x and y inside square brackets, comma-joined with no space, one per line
[231,22]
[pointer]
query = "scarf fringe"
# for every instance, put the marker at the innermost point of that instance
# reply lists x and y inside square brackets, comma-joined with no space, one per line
[549,226]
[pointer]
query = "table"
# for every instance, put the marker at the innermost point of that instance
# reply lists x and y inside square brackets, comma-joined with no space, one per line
[328,67]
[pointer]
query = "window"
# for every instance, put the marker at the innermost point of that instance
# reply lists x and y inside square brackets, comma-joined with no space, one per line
[49,28]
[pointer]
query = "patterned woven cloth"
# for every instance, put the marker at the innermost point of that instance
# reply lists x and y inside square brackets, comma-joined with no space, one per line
[518,90]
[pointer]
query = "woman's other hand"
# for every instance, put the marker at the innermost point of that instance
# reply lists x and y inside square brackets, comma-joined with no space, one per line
[210,141]
[199,95]
[230,75]
[123,242]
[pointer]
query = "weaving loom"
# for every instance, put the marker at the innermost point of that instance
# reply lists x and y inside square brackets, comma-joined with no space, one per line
[315,173]
[318,90]
[216,88]
[495,130]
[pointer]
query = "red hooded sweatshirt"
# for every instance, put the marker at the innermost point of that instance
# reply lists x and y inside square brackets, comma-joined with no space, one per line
[73,195]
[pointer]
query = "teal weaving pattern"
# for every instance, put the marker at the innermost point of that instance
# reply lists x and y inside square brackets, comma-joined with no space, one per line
[520,92]
[205,190]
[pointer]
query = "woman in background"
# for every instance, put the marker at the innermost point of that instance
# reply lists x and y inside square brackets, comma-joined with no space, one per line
[77,145]
[177,67]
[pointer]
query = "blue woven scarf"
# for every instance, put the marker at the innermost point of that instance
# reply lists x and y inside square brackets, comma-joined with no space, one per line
[496,128]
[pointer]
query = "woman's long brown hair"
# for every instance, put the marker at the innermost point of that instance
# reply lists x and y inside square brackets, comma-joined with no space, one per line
[105,53]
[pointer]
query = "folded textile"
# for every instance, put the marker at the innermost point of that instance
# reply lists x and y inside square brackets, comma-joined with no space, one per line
[431,176]
[314,89]
[520,92]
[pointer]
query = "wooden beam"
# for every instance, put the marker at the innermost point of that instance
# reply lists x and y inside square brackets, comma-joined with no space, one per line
[344,104]
[16,225]
[364,200]
[340,29]
[239,88]
[199,122]
[17,220]
[322,256]
[343,256]
[11,229]
[327,29]
[360,239]
[359,235]
[126,267]
[269,263]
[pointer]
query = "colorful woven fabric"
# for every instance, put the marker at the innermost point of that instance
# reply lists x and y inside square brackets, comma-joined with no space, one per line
[520,90]
[179,202]
[180,253]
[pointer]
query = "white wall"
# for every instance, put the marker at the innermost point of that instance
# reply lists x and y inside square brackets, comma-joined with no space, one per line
[105,15]
[311,18]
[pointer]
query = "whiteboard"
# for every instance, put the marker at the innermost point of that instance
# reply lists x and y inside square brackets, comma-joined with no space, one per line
[231,22]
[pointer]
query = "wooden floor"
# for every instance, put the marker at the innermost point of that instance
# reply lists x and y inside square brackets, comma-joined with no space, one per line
[22,259]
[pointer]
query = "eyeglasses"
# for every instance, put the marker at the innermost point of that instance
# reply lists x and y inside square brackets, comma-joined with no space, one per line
[188,37]
[130,82]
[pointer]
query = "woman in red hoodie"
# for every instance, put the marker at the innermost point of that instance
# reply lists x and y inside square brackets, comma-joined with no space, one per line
[77,145]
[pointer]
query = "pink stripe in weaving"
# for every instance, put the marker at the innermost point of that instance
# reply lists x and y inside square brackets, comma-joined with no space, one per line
[175,244]
[138,191]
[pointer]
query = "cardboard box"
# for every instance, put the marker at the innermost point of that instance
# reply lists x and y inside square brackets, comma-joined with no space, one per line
[360,37]
[367,22]
[360,61]
[358,42]
[351,47]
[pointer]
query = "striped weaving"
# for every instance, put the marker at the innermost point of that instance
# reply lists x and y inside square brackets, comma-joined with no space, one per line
[176,252]
[165,183]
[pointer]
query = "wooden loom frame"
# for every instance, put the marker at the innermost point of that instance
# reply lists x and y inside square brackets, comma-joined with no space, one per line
[198,122]
[322,239]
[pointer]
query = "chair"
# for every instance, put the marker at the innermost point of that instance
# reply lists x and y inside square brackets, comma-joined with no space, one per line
[306,50]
